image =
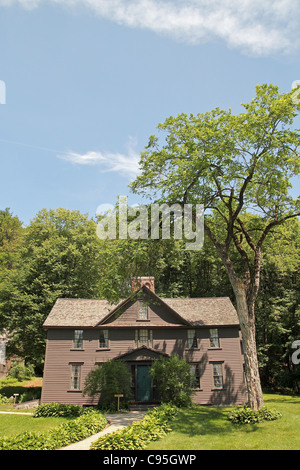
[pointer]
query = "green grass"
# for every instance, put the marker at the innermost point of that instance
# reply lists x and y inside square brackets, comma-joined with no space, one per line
[208,428]
[11,425]
[32,386]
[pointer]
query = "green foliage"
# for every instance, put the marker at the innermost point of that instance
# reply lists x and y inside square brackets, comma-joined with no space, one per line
[76,430]
[233,165]
[59,410]
[21,372]
[154,425]
[30,394]
[10,239]
[58,257]
[5,400]
[246,415]
[111,378]
[173,380]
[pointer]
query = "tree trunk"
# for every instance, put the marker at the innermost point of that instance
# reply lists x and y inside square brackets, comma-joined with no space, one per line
[246,314]
[247,324]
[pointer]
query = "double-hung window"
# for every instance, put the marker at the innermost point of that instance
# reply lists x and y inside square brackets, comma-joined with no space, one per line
[143,337]
[217,374]
[75,376]
[214,338]
[78,339]
[195,375]
[192,339]
[103,339]
[143,311]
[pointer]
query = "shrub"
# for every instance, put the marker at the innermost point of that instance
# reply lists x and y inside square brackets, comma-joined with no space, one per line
[58,410]
[65,434]
[153,426]
[4,400]
[111,378]
[173,380]
[20,372]
[9,381]
[245,415]
[32,393]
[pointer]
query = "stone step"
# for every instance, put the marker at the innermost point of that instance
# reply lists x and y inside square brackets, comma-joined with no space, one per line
[141,407]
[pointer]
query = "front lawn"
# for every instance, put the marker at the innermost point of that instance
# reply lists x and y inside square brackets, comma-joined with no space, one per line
[208,428]
[11,425]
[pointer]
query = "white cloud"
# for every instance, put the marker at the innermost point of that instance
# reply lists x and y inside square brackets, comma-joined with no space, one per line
[257,27]
[124,164]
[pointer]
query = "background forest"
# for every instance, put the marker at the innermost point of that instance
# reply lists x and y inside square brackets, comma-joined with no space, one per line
[59,255]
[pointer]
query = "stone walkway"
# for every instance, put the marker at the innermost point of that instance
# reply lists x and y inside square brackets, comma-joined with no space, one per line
[115,421]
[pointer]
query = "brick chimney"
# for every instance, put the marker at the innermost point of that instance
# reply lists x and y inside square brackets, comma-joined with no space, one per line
[137,282]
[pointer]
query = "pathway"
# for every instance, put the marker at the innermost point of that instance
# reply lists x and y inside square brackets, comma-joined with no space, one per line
[116,421]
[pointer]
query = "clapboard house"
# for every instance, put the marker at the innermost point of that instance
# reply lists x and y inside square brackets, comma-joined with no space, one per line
[84,333]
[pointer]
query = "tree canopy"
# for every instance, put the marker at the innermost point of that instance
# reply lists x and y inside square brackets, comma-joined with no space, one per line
[233,165]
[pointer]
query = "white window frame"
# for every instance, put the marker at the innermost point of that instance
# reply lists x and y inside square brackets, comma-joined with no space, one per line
[143,311]
[217,371]
[75,376]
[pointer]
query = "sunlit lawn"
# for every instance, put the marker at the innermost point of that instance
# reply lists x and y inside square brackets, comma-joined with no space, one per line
[207,428]
[11,425]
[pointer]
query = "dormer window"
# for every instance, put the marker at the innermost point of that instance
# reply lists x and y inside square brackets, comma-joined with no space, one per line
[143,311]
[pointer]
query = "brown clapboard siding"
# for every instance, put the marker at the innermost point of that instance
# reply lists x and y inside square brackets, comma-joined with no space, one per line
[169,320]
[60,354]
[158,315]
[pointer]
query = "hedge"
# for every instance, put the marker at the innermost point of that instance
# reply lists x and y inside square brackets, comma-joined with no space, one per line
[245,415]
[46,410]
[76,430]
[153,426]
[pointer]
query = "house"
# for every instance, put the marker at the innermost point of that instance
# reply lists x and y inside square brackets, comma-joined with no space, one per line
[84,333]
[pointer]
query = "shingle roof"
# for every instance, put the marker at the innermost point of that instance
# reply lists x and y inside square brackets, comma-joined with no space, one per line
[205,311]
[77,312]
[196,311]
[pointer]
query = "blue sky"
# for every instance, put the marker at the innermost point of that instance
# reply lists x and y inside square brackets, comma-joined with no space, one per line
[87,82]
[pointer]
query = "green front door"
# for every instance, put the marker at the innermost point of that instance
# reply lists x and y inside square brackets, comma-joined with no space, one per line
[143,383]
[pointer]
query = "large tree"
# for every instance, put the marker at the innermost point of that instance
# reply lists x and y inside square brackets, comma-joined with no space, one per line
[233,165]
[58,257]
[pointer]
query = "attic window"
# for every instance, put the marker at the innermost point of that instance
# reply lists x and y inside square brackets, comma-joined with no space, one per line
[143,311]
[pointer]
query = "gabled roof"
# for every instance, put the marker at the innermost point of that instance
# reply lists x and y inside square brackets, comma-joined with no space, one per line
[205,311]
[77,312]
[83,313]
[142,351]
[118,308]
